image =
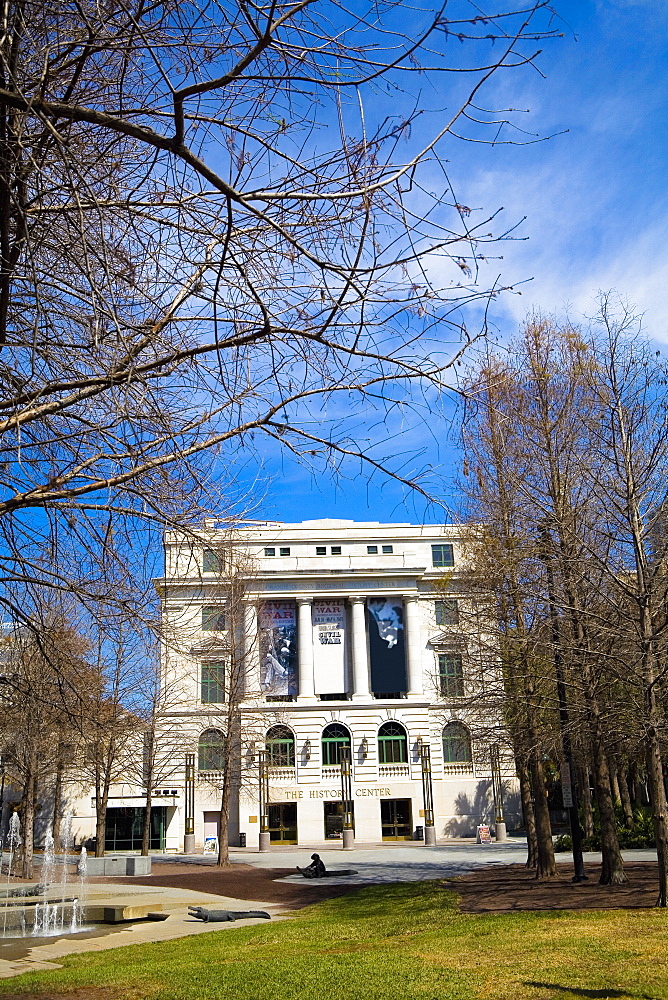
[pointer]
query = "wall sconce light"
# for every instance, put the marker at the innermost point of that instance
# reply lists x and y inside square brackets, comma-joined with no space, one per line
[364,748]
[306,752]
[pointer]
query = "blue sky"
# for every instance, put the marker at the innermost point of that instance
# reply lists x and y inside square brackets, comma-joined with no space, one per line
[595,198]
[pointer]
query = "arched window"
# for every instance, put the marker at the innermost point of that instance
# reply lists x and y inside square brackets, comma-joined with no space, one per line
[392,744]
[280,747]
[334,737]
[211,750]
[456,744]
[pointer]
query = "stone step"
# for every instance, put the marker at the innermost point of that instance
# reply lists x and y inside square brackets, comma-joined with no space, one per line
[118,913]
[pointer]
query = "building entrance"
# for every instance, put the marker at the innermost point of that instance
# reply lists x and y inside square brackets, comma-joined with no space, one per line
[283,822]
[124,828]
[334,820]
[395,819]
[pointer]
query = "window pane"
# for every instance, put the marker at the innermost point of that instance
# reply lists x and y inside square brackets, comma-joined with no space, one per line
[270,552]
[451,675]
[280,747]
[211,561]
[447,612]
[212,690]
[372,550]
[213,619]
[321,550]
[388,550]
[284,552]
[334,737]
[456,744]
[336,550]
[211,751]
[392,744]
[442,555]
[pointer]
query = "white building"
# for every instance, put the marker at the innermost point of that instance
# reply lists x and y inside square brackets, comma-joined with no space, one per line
[348,634]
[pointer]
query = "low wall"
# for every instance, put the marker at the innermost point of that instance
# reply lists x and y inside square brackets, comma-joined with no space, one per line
[115,864]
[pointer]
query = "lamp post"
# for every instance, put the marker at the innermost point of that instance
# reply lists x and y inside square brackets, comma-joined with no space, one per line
[424,751]
[569,791]
[263,776]
[189,835]
[345,758]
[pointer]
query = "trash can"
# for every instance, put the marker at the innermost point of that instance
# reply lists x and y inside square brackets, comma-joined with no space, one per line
[419,833]
[242,840]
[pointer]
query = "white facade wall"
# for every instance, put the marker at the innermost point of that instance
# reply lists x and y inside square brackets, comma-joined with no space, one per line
[406,575]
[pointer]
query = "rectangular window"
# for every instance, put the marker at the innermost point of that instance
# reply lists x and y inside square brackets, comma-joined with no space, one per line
[372,550]
[321,550]
[388,550]
[451,676]
[447,612]
[213,618]
[336,550]
[211,562]
[212,687]
[270,552]
[442,555]
[284,552]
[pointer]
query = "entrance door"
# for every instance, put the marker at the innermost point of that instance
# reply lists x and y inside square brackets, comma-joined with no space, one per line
[395,819]
[283,822]
[334,820]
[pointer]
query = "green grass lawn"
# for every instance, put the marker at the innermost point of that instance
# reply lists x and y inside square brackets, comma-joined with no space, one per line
[406,942]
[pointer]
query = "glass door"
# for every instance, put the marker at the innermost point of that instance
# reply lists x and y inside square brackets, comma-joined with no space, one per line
[283,822]
[395,819]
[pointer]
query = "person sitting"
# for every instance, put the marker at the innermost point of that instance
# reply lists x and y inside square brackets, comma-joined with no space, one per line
[315,870]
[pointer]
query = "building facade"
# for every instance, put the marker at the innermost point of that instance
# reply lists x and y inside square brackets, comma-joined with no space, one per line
[297,642]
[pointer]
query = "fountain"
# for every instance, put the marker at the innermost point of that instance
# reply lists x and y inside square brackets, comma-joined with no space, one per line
[53,907]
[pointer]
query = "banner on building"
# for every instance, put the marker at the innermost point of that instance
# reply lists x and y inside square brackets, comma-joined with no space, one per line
[329,646]
[278,648]
[387,648]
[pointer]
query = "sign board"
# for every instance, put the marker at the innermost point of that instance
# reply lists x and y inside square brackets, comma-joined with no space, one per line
[484,836]
[211,845]
[566,786]
[278,648]
[329,645]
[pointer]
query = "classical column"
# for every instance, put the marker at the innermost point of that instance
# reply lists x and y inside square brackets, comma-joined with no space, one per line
[359,650]
[305,649]
[413,645]
[251,651]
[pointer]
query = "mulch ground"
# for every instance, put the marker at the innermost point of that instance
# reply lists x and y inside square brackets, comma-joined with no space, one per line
[508,888]
[239,881]
[497,889]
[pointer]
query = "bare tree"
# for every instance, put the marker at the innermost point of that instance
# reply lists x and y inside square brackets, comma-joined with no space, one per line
[211,224]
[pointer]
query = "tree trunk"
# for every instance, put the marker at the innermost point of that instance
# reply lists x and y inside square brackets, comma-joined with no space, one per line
[545,864]
[585,799]
[612,866]
[625,799]
[529,816]
[614,784]
[101,802]
[659,812]
[28,822]
[57,804]
[146,832]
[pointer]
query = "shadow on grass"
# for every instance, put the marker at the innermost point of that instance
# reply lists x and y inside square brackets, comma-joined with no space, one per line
[578,991]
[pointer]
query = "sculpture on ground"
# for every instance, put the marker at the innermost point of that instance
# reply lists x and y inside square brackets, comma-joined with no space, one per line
[317,869]
[219,916]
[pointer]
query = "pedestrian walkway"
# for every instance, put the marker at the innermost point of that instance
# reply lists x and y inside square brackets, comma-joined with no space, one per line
[19,955]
